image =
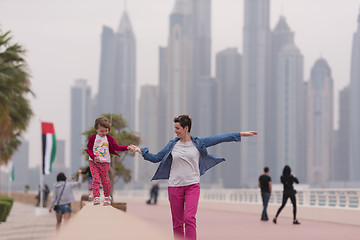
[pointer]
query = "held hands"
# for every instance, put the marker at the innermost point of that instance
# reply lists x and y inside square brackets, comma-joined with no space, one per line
[248,133]
[134,148]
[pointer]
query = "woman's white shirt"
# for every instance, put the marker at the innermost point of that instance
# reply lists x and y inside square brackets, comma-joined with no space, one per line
[185,166]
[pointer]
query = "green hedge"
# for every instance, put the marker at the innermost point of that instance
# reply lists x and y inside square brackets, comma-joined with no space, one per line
[5,207]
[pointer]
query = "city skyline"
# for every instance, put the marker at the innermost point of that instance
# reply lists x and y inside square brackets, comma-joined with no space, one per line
[77,67]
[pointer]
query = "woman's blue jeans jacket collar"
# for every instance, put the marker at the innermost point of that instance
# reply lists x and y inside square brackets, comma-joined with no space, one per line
[206,161]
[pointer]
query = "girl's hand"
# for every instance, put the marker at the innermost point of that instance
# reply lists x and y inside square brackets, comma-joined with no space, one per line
[134,148]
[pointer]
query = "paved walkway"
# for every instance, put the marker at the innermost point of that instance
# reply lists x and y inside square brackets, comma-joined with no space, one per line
[226,225]
[23,223]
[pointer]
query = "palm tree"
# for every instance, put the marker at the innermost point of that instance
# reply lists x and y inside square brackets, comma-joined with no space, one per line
[15,110]
[122,137]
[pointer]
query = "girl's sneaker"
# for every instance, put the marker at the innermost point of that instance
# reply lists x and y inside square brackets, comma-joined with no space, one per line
[97,201]
[107,201]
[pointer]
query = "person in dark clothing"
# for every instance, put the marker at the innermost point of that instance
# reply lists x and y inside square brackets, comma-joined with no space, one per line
[46,192]
[154,193]
[288,179]
[45,195]
[265,186]
[90,180]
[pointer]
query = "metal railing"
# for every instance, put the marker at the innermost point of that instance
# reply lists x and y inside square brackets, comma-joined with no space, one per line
[334,198]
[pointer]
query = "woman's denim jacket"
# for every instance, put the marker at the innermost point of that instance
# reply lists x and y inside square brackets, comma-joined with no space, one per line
[206,161]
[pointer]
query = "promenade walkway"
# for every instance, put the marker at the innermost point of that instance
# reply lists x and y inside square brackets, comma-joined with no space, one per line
[23,223]
[146,219]
[226,225]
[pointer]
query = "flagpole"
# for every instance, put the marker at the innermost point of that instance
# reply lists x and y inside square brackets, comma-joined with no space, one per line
[10,170]
[41,175]
[9,187]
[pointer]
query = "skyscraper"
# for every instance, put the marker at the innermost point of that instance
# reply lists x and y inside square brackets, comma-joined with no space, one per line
[254,86]
[320,123]
[280,37]
[290,125]
[340,168]
[148,126]
[117,81]
[285,124]
[355,106]
[179,64]
[80,122]
[228,79]
[188,61]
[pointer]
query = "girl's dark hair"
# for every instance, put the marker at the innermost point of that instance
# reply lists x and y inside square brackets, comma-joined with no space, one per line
[184,121]
[61,177]
[287,171]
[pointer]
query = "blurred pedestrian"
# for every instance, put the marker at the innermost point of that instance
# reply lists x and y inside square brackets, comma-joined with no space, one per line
[265,186]
[63,197]
[288,179]
[153,193]
[89,180]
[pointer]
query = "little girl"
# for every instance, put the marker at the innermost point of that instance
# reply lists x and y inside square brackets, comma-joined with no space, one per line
[99,148]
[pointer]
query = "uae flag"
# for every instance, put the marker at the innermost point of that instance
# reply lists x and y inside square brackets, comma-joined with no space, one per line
[48,146]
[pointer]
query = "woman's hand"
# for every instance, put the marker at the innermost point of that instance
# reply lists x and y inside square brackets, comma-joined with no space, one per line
[248,133]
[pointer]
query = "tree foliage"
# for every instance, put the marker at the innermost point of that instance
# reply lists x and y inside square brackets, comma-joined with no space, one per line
[123,137]
[15,110]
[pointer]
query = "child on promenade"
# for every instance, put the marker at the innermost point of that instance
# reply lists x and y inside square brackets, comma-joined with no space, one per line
[99,148]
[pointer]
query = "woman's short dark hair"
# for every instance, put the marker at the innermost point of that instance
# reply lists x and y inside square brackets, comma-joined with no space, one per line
[61,177]
[184,121]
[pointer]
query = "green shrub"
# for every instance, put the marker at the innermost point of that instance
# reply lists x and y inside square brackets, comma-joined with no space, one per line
[5,207]
[4,210]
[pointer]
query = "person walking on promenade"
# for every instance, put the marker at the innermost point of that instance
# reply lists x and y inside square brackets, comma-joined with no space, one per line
[288,179]
[265,186]
[182,161]
[63,197]
[99,148]
[89,180]
[153,193]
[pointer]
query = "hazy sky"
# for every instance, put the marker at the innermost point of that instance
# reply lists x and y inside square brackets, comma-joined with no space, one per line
[62,38]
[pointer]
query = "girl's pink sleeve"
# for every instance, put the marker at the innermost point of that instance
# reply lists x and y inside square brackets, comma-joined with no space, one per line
[117,147]
[90,145]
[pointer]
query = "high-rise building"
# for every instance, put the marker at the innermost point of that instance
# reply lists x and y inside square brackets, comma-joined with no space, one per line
[280,37]
[21,166]
[320,124]
[228,79]
[117,81]
[80,122]
[340,168]
[188,61]
[256,65]
[179,64]
[285,105]
[148,126]
[355,106]
[290,136]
